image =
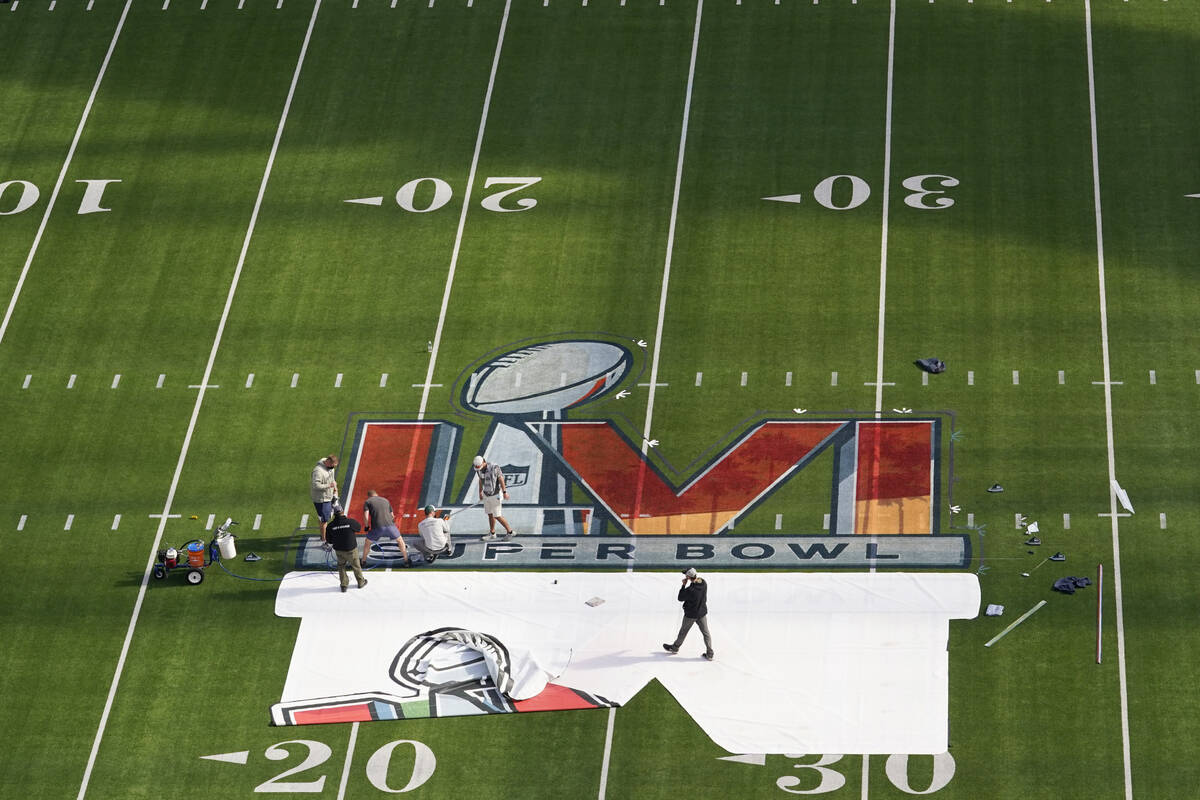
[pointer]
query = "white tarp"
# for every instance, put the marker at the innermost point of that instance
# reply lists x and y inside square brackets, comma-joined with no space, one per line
[805,662]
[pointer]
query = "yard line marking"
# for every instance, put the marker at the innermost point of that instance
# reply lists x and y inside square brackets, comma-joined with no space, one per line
[203,4]
[116,380]
[1162,520]
[87,110]
[204,386]
[1107,383]
[608,734]
[70,521]
[832,378]
[1108,420]
[970,377]
[89,5]
[887,180]
[1153,378]
[1015,623]
[187,439]
[257,522]
[71,382]
[240,4]
[353,730]
[779,522]
[295,379]
[699,376]
[666,279]
[383,380]
[116,521]
[1062,377]
[1066,522]
[337,382]
[161,377]
[249,380]
[52,5]
[462,216]
[13,7]
[21,522]
[165,4]
[28,378]
[744,377]
[1016,377]
[279,5]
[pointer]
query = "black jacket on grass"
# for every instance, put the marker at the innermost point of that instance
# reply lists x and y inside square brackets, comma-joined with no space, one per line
[694,597]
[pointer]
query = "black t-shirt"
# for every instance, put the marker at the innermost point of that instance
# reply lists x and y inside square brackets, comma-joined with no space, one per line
[694,597]
[340,533]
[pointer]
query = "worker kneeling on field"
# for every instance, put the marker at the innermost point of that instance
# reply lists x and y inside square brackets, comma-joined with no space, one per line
[434,532]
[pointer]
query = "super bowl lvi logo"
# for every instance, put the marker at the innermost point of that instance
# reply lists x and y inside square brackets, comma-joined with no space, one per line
[571,475]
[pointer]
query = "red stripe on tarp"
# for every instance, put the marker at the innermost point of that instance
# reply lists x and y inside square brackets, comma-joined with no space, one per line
[554,698]
[359,712]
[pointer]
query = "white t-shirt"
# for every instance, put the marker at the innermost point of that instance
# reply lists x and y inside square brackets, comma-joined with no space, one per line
[435,532]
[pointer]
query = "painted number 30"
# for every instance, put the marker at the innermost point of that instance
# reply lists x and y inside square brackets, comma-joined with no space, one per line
[896,769]
[923,192]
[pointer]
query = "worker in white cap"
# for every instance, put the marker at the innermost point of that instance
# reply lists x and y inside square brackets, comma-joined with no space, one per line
[491,487]
[694,596]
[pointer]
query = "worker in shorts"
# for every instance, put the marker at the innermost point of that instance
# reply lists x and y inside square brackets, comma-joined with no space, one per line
[491,488]
[381,524]
[323,488]
[434,533]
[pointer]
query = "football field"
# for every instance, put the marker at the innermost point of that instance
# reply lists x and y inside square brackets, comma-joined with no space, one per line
[237,235]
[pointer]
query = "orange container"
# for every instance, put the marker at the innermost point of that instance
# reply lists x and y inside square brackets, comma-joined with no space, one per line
[195,553]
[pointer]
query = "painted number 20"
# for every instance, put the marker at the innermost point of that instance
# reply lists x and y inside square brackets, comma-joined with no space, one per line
[406,197]
[424,764]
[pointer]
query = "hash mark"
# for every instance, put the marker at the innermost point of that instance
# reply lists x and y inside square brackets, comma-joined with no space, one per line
[161,377]
[249,380]
[1153,378]
[1162,520]
[779,522]
[970,520]
[71,382]
[116,521]
[970,377]
[833,379]
[257,522]
[304,521]
[383,380]
[211,519]
[1016,377]
[1062,377]
[21,522]
[116,380]
[825,523]
[699,377]
[337,382]
[25,385]
[924,378]
[1066,522]
[295,379]
[1017,521]
[744,376]
[70,522]
[787,379]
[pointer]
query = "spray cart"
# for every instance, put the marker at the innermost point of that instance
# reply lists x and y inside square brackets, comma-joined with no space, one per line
[196,555]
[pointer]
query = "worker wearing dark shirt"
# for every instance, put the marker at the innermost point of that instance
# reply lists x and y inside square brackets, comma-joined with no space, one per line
[694,596]
[339,533]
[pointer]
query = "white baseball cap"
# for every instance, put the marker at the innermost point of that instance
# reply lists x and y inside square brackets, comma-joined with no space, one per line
[690,572]
[478,462]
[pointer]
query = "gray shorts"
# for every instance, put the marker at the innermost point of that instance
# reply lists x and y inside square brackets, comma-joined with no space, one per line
[387,532]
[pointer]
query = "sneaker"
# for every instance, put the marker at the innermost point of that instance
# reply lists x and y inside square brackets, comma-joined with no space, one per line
[344,589]
[1033,541]
[995,487]
[363,584]
[708,656]
[1059,556]
[670,648]
[429,559]
[252,557]
[491,537]
[509,534]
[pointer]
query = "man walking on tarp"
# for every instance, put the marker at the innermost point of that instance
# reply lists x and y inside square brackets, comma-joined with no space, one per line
[340,532]
[694,596]
[491,486]
[324,489]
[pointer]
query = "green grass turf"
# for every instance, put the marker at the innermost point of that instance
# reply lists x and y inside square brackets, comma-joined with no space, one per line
[590,99]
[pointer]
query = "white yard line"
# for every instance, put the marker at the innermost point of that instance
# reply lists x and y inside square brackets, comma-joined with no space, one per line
[887,180]
[662,313]
[666,278]
[1108,420]
[462,217]
[187,439]
[87,110]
